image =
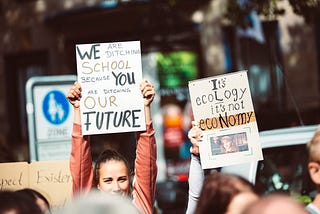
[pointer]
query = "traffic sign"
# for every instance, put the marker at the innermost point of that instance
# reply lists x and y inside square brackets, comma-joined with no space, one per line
[49,117]
[55,107]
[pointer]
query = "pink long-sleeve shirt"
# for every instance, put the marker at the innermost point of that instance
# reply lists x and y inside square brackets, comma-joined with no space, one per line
[144,182]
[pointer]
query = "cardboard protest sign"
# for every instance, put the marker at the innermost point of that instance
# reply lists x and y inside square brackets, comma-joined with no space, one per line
[222,106]
[110,74]
[50,178]
[53,180]
[14,176]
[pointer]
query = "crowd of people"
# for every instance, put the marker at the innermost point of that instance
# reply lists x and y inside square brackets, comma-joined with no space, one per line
[110,186]
[223,193]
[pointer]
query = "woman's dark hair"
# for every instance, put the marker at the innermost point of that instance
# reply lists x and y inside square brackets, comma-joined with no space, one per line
[218,190]
[109,155]
[31,193]
[17,202]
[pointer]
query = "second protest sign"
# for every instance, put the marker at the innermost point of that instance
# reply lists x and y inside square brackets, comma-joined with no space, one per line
[223,108]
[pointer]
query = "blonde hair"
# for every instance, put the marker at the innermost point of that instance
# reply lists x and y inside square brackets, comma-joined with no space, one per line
[99,202]
[313,146]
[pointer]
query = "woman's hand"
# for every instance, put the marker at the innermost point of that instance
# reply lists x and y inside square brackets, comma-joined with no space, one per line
[74,95]
[195,136]
[148,92]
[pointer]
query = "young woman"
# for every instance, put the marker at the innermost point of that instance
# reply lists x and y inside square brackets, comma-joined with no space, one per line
[111,171]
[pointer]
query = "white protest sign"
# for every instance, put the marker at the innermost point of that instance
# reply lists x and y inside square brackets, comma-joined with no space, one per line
[109,75]
[222,106]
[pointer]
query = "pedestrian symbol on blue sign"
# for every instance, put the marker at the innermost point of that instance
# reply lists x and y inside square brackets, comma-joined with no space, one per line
[55,107]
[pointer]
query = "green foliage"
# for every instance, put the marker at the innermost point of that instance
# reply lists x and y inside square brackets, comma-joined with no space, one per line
[175,69]
[305,199]
[238,15]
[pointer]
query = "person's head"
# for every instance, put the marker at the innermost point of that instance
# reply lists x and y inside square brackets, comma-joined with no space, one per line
[227,144]
[241,201]
[112,173]
[275,203]
[16,203]
[99,203]
[221,193]
[215,139]
[313,147]
[40,200]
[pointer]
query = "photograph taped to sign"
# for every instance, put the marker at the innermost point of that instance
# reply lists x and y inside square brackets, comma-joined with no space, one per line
[50,117]
[109,75]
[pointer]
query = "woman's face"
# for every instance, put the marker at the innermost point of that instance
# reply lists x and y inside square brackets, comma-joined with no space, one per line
[215,139]
[226,142]
[114,177]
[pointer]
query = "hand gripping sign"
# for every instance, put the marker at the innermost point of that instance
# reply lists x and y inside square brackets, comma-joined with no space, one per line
[223,108]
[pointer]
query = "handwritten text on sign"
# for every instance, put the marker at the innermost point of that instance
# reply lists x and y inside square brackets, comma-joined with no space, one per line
[226,103]
[223,108]
[50,178]
[110,74]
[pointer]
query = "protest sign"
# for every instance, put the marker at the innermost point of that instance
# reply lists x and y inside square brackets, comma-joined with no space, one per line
[223,107]
[51,178]
[14,176]
[110,74]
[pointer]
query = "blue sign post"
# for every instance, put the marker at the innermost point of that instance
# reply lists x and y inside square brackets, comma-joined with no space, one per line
[55,107]
[49,117]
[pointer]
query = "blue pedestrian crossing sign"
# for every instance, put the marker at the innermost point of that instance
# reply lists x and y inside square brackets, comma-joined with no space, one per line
[50,117]
[55,107]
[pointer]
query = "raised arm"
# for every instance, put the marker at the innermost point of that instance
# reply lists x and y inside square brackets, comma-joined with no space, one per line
[148,93]
[196,174]
[80,158]
[144,183]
